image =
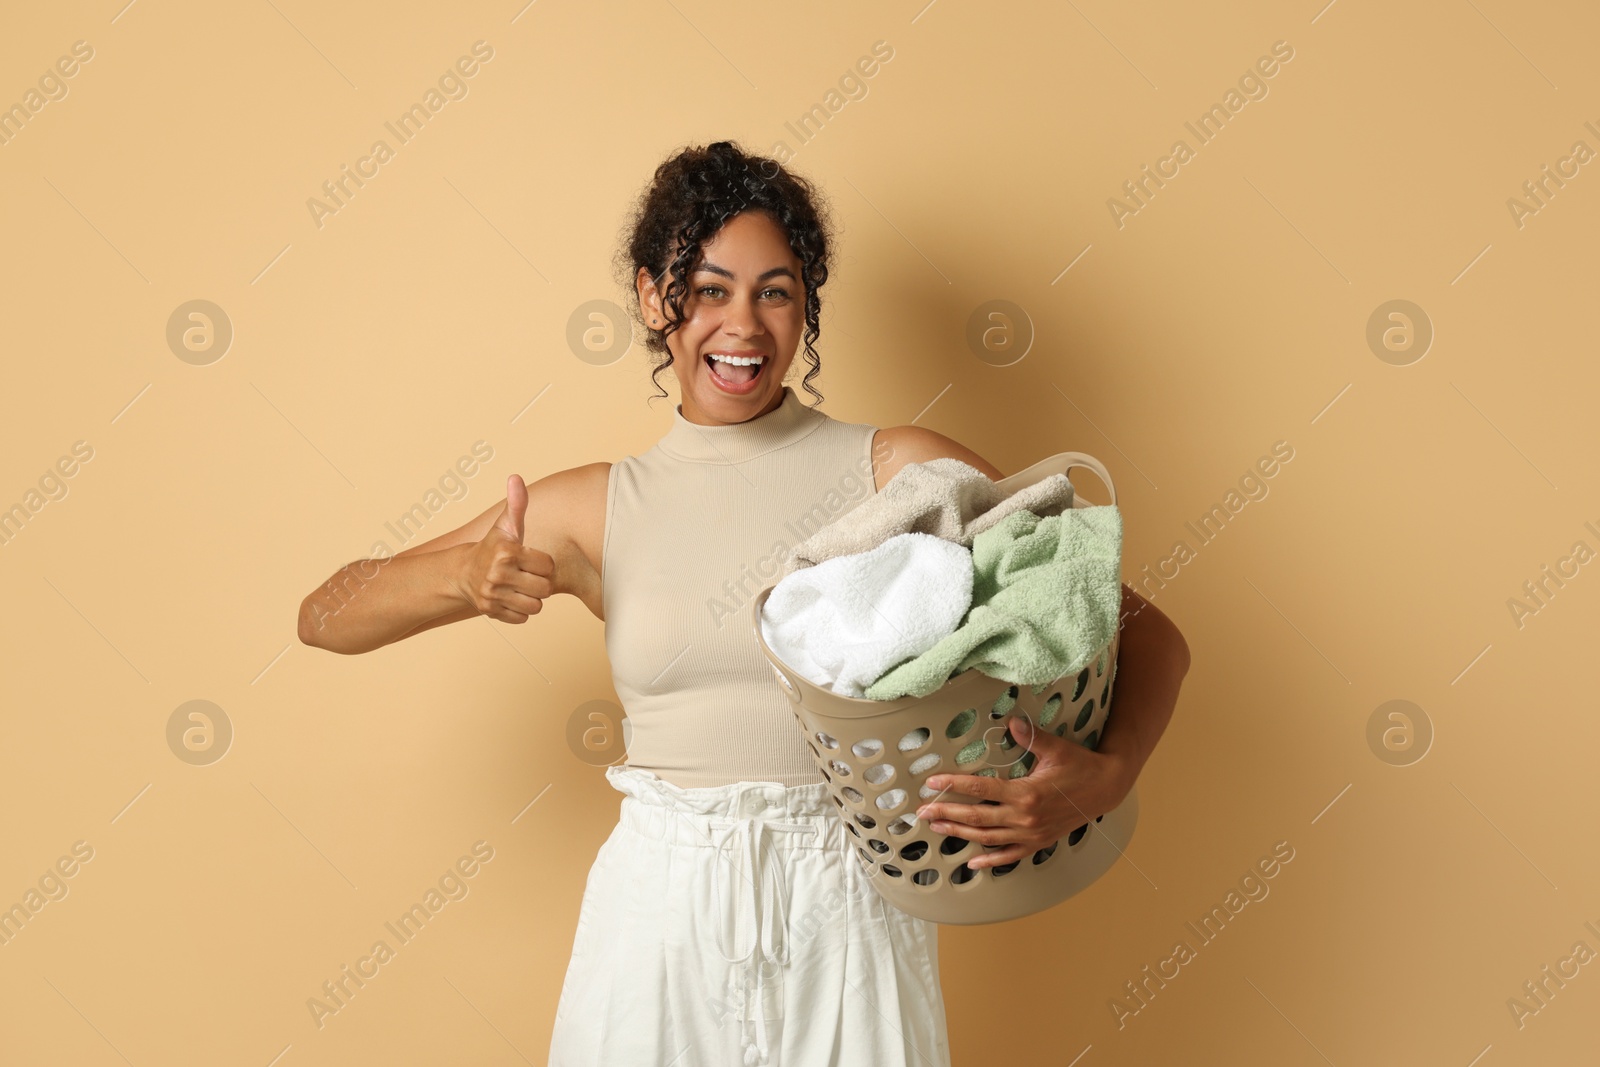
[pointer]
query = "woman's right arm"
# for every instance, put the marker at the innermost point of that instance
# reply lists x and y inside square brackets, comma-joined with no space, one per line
[503,564]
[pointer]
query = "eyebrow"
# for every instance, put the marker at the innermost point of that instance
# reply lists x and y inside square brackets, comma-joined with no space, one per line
[712,268]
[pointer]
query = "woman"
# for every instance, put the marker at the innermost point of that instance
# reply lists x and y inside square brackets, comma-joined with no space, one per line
[725,920]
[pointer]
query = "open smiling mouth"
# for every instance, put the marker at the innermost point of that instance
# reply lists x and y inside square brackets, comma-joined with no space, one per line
[735,373]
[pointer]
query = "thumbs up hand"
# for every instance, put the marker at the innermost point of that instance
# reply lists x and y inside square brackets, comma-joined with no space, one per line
[504,578]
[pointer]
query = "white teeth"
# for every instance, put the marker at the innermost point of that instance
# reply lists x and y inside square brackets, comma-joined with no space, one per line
[737,361]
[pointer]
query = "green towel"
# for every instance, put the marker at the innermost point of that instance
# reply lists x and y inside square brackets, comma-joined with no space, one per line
[1046,597]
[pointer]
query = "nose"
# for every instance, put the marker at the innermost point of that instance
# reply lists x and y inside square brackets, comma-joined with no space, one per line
[740,318]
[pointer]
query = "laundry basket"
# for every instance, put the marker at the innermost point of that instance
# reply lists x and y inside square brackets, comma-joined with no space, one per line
[876,756]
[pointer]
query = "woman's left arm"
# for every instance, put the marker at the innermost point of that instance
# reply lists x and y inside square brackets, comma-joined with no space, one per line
[1152,659]
[1070,785]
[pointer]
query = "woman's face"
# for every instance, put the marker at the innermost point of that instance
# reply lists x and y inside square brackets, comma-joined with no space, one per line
[744,300]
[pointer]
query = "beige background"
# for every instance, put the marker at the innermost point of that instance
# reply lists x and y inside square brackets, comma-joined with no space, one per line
[369,354]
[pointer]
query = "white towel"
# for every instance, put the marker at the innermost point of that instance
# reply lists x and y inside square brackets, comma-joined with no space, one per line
[844,622]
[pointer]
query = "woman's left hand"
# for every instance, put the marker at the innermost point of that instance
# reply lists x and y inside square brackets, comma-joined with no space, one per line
[1069,786]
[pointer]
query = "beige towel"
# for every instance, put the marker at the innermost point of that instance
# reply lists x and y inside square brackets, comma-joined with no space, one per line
[943,497]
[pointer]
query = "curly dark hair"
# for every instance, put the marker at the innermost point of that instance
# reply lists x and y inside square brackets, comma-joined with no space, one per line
[692,195]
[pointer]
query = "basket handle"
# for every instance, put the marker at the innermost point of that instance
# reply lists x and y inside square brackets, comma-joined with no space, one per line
[1060,463]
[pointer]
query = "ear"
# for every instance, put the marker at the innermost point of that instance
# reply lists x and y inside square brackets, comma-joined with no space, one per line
[650,298]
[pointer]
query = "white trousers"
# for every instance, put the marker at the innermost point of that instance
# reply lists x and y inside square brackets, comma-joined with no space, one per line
[733,925]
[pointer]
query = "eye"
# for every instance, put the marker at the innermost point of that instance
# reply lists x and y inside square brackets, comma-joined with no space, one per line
[715,291]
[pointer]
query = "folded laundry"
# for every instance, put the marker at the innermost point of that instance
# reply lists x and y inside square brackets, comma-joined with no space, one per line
[943,497]
[1046,599]
[845,621]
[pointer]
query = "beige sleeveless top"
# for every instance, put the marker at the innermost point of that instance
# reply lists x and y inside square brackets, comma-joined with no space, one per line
[695,528]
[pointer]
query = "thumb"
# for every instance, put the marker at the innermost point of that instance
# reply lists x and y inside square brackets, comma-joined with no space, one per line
[1048,749]
[510,520]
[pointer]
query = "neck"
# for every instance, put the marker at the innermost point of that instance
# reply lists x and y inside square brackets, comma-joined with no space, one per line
[691,411]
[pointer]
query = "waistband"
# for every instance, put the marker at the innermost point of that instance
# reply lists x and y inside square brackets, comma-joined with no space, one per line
[687,815]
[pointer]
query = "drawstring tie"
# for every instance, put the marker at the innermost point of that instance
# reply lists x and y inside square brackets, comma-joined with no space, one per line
[763,909]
